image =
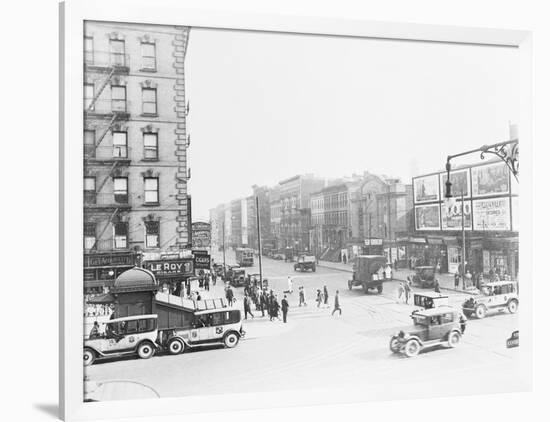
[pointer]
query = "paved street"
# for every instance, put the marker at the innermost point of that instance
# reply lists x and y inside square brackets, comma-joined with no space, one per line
[317,350]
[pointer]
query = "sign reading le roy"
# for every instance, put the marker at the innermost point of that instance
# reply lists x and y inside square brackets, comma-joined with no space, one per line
[170,267]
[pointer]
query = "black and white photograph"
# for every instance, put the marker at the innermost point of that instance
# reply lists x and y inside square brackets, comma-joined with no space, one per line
[258,216]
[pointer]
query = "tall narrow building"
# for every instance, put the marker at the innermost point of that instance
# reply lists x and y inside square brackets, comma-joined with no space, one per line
[135,147]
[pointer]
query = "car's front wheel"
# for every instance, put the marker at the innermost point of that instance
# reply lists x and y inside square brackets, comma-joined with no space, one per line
[89,356]
[230,340]
[412,348]
[145,350]
[176,346]
[481,311]
[394,344]
[513,306]
[454,339]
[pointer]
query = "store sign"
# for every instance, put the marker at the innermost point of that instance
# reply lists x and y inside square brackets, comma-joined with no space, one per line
[426,189]
[492,214]
[373,242]
[492,179]
[427,217]
[109,260]
[201,233]
[170,267]
[451,215]
[201,261]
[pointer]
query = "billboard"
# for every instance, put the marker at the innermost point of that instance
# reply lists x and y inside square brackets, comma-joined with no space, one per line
[426,217]
[451,215]
[201,234]
[460,180]
[492,179]
[492,214]
[172,267]
[426,189]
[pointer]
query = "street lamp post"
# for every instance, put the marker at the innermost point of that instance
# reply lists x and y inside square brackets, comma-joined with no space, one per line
[223,249]
[259,242]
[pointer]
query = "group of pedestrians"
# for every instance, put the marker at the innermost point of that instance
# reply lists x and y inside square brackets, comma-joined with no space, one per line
[404,291]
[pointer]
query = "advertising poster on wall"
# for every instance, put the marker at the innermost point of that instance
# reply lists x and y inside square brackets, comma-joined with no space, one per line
[201,234]
[451,215]
[515,214]
[491,214]
[491,179]
[426,189]
[427,217]
[460,180]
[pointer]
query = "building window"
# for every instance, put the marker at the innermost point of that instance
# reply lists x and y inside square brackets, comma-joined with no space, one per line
[89,190]
[150,145]
[149,98]
[118,98]
[121,190]
[89,143]
[89,235]
[88,96]
[117,53]
[152,230]
[120,145]
[151,190]
[148,54]
[121,235]
[89,50]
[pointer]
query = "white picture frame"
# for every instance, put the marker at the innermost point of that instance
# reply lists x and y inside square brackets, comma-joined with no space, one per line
[73,14]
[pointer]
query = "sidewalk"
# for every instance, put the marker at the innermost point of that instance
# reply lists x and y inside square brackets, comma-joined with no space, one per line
[446,281]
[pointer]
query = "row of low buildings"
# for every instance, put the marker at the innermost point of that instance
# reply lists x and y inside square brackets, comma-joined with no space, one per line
[334,219]
[370,214]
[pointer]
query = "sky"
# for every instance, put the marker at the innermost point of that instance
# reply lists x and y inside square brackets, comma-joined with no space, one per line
[267,106]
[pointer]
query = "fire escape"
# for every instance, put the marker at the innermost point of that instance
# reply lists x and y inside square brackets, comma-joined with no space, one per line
[102,70]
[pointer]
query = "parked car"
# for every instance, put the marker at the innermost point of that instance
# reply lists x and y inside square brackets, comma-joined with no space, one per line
[134,335]
[442,325]
[494,296]
[424,277]
[305,262]
[208,327]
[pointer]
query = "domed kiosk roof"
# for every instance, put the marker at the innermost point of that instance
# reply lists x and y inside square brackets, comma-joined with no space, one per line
[135,280]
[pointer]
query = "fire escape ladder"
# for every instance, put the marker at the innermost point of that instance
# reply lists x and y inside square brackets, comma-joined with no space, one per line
[115,212]
[101,88]
[107,129]
[115,164]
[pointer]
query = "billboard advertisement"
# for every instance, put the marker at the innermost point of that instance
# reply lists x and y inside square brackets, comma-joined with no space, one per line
[460,180]
[426,217]
[491,214]
[515,214]
[201,234]
[426,189]
[492,179]
[451,215]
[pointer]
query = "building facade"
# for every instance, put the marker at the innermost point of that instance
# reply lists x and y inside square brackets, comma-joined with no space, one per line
[275,217]
[485,220]
[294,200]
[135,142]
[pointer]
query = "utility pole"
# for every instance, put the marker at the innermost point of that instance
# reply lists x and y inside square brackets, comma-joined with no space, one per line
[259,241]
[223,248]
[463,240]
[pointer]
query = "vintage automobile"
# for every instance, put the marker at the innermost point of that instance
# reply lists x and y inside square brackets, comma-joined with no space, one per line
[424,277]
[236,276]
[305,262]
[133,335]
[442,325]
[428,300]
[494,296]
[366,272]
[208,327]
